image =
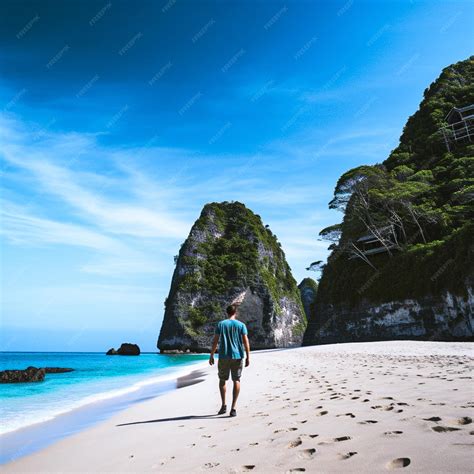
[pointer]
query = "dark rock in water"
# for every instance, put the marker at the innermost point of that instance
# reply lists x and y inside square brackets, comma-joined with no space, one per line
[308,290]
[30,374]
[230,256]
[57,370]
[129,349]
[125,349]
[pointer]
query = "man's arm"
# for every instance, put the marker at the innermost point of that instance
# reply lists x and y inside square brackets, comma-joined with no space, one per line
[214,348]
[247,349]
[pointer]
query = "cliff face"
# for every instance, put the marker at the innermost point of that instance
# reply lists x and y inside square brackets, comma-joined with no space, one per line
[228,255]
[308,289]
[402,263]
[446,317]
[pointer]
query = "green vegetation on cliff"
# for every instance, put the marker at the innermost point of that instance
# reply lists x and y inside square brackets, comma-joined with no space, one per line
[309,283]
[416,207]
[244,251]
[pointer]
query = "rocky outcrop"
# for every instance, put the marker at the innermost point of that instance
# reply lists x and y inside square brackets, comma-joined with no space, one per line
[308,290]
[57,370]
[30,374]
[125,349]
[230,255]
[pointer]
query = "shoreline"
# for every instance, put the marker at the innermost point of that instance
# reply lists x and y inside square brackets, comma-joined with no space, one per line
[43,433]
[355,407]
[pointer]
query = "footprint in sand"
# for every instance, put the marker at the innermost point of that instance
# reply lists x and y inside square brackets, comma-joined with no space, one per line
[347,455]
[433,418]
[367,422]
[295,443]
[248,467]
[393,433]
[399,462]
[347,414]
[307,453]
[210,465]
[465,420]
[297,469]
[444,429]
[321,413]
[336,440]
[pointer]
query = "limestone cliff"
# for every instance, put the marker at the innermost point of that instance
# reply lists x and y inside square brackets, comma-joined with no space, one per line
[308,290]
[228,255]
[402,261]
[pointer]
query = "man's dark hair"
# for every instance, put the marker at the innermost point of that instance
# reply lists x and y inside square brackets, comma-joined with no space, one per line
[231,310]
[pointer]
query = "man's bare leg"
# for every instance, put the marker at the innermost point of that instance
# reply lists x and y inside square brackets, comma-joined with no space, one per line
[222,390]
[235,393]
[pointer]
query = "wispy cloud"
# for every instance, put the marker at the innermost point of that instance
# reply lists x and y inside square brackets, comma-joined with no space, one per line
[22,228]
[132,208]
[52,196]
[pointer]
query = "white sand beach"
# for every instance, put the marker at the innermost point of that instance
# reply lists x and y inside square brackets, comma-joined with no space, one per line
[357,407]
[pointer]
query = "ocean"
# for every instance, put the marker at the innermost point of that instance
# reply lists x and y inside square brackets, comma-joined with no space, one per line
[111,382]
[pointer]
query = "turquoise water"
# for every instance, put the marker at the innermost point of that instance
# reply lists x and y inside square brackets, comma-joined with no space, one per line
[96,377]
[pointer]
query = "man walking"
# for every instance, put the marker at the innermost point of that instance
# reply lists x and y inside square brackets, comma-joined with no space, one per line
[231,336]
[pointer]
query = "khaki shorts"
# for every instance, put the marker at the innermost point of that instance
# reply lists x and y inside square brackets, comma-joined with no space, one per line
[232,366]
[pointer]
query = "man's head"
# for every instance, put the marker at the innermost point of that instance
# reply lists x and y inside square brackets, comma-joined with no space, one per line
[231,310]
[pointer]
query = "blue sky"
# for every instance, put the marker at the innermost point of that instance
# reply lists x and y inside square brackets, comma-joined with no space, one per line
[120,120]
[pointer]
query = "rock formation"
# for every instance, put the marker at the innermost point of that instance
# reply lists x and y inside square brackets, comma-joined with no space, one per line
[30,374]
[57,370]
[230,255]
[125,349]
[308,290]
[402,265]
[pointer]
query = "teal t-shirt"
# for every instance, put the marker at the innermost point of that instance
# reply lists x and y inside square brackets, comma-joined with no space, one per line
[230,332]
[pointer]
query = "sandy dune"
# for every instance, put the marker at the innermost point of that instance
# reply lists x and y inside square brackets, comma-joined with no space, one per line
[366,407]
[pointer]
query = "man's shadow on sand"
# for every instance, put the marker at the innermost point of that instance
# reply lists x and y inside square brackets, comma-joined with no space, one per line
[190,379]
[177,418]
